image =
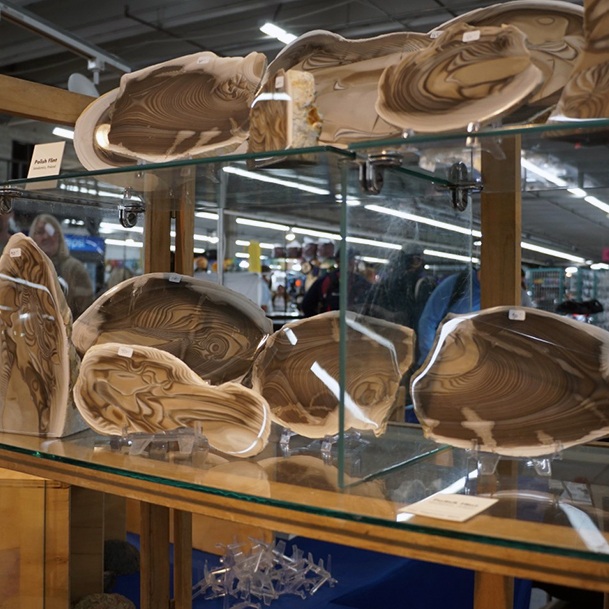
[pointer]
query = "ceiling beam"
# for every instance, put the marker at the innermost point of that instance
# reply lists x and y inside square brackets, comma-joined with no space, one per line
[40,102]
[33,23]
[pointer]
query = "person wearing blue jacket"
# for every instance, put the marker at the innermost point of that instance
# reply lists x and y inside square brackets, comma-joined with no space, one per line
[458,293]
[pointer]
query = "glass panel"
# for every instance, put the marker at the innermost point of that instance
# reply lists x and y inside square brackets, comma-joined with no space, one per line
[407,232]
[427,206]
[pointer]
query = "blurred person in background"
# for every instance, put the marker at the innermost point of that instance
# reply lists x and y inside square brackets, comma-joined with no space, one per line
[46,231]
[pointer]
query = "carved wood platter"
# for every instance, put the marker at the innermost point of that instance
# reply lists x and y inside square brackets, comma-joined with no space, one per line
[213,329]
[554,37]
[586,94]
[466,77]
[191,106]
[514,381]
[38,363]
[346,74]
[124,389]
[297,372]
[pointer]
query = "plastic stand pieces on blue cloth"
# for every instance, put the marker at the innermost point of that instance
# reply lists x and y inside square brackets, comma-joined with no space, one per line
[365,580]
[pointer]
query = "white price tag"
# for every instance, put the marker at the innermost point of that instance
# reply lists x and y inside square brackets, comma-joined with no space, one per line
[471,36]
[46,161]
[204,59]
[517,315]
[436,34]
[279,82]
[124,351]
[457,508]
[15,252]
[175,278]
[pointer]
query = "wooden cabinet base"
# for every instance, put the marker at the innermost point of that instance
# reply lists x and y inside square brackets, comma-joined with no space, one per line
[51,547]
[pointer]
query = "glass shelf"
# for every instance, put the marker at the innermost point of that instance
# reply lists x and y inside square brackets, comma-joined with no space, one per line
[562,513]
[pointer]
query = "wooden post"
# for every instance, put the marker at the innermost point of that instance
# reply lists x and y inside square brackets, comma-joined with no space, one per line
[494,591]
[500,278]
[154,556]
[86,542]
[157,228]
[501,225]
[185,220]
[182,559]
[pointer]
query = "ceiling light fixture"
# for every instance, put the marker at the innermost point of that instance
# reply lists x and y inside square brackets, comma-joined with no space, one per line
[261,224]
[450,256]
[373,243]
[551,252]
[245,243]
[548,176]
[476,233]
[577,192]
[207,215]
[124,242]
[597,203]
[260,177]
[274,31]
[374,260]
[63,132]
[109,227]
[422,220]
[316,233]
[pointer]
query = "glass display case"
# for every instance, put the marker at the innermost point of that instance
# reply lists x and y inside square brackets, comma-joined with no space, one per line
[343,460]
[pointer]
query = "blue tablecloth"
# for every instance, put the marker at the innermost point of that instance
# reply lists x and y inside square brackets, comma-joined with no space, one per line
[366,580]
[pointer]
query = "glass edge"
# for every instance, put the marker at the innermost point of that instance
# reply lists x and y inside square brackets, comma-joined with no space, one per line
[150,167]
[504,131]
[339,514]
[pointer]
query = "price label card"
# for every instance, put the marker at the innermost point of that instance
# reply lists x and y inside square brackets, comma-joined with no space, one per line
[46,161]
[457,508]
[471,36]
[124,351]
[517,315]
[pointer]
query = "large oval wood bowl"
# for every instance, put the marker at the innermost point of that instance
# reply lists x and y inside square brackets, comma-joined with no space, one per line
[124,389]
[514,381]
[297,372]
[37,360]
[346,76]
[191,106]
[554,37]
[212,329]
[467,76]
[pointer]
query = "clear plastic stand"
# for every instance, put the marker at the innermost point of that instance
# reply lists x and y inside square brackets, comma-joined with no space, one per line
[486,463]
[248,580]
[182,444]
[326,447]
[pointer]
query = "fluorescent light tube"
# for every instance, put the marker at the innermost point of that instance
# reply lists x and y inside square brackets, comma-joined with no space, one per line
[261,177]
[63,132]
[274,31]
[422,220]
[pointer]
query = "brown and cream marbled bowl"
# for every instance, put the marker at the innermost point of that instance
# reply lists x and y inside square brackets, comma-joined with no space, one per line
[38,363]
[191,106]
[467,76]
[346,75]
[554,37]
[123,389]
[514,381]
[213,329]
[297,372]
[586,94]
